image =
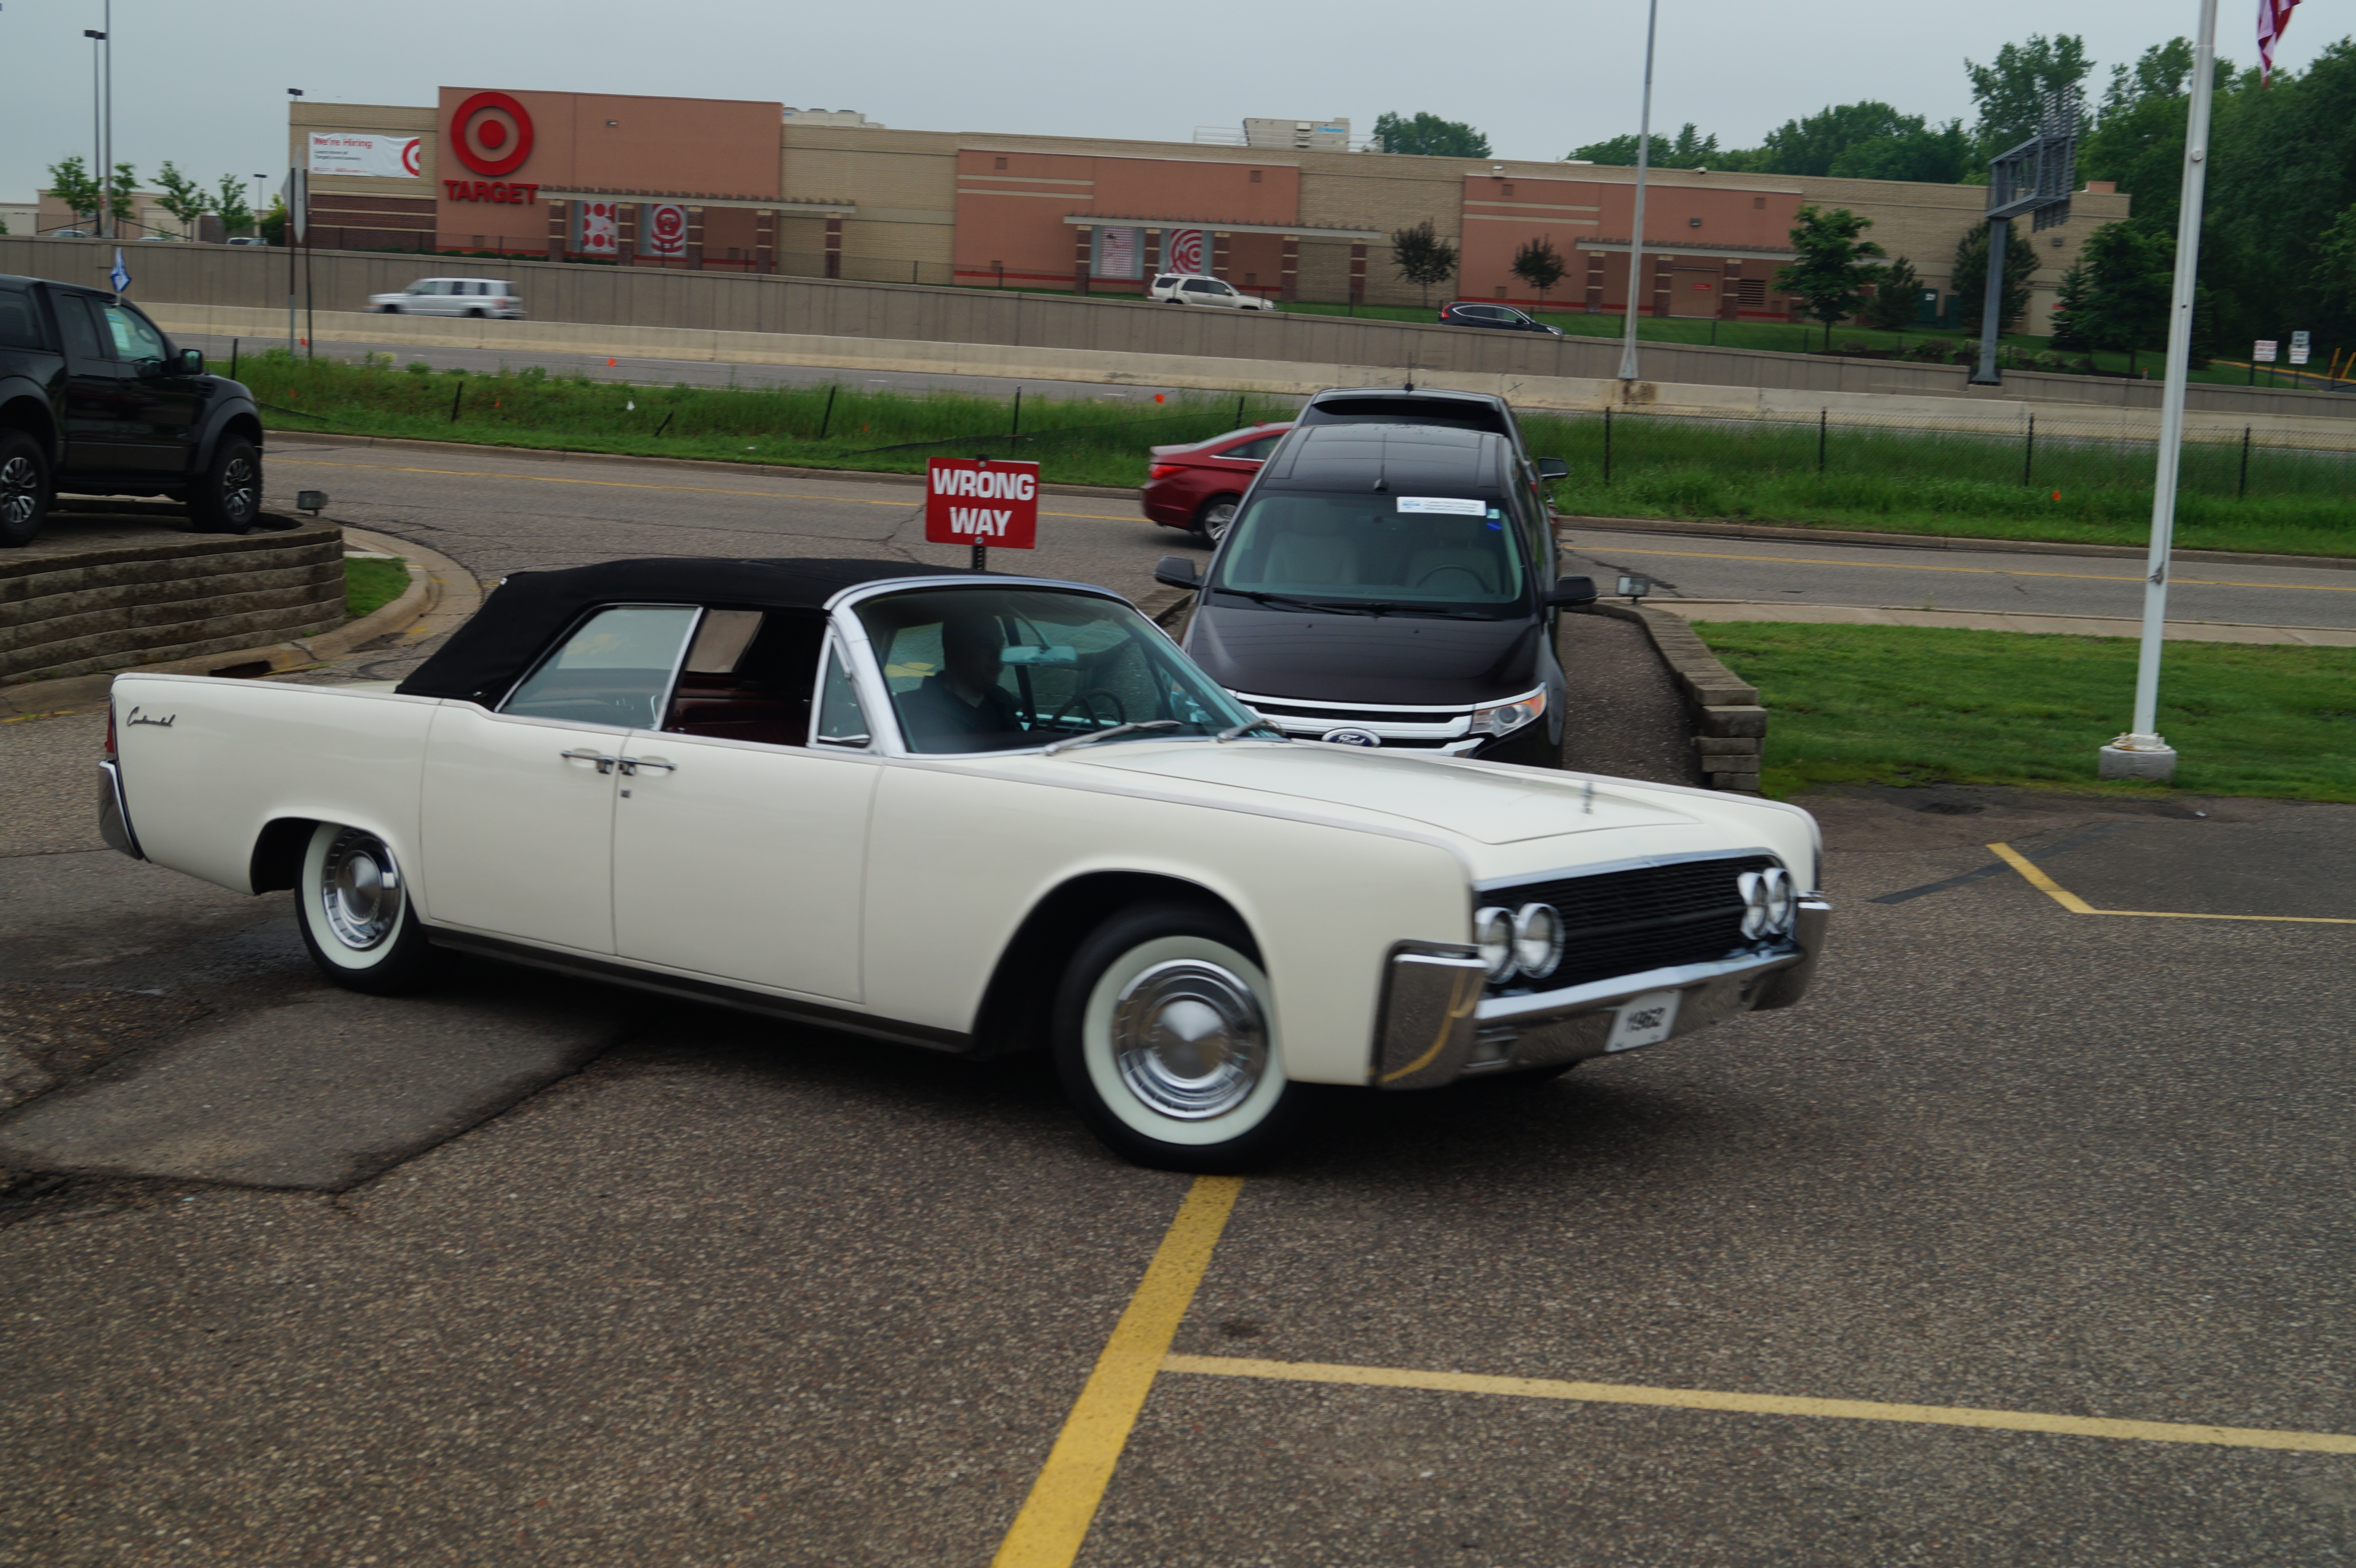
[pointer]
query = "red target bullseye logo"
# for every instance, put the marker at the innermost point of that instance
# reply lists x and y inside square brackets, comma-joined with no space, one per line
[491,135]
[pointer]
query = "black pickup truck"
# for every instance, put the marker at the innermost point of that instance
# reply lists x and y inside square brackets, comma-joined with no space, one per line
[95,401]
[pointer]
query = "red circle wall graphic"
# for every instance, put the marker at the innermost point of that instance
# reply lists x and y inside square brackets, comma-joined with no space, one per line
[474,136]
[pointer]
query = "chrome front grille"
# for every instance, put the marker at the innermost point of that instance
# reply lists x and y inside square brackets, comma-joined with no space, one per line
[1648,917]
[1405,729]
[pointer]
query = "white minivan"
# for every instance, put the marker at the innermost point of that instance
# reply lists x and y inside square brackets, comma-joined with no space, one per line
[453,296]
[1188,288]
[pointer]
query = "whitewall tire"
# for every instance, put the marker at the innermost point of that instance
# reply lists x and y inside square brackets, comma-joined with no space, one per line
[1167,1043]
[353,904]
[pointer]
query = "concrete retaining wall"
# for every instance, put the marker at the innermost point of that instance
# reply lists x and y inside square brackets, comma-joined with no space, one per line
[1730,727]
[77,612]
[255,278]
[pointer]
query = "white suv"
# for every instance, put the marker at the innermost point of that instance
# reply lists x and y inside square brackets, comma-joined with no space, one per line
[453,296]
[1186,288]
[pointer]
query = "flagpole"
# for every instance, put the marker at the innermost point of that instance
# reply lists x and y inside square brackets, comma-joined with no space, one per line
[1637,233]
[2141,753]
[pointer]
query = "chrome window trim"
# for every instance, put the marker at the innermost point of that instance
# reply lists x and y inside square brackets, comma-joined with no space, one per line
[867,669]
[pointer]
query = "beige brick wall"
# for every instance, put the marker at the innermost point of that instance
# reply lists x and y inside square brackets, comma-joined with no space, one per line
[904,186]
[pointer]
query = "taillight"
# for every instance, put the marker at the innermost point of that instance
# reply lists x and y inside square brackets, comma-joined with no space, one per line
[110,727]
[1163,470]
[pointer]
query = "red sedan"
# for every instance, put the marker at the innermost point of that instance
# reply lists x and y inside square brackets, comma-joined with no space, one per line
[1196,487]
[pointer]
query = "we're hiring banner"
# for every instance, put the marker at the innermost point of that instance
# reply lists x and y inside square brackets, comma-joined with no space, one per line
[663,229]
[375,157]
[979,500]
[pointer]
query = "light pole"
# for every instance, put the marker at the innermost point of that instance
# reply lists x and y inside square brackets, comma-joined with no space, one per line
[1636,232]
[2141,753]
[106,42]
[291,230]
[96,136]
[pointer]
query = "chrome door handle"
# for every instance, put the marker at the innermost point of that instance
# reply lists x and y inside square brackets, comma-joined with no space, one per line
[630,765]
[590,754]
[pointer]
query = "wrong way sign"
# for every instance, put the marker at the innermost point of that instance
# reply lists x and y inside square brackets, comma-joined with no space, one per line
[983,502]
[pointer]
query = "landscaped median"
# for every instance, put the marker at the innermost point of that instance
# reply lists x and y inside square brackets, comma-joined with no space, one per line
[1921,705]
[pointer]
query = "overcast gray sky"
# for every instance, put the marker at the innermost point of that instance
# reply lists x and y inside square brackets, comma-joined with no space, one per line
[204,84]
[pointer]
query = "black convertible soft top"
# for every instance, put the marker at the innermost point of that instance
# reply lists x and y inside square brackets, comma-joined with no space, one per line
[490,653]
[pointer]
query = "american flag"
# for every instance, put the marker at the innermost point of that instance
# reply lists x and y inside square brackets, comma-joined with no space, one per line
[2274,15]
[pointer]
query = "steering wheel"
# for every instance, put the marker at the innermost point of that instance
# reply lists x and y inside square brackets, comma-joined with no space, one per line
[1087,702]
[1478,586]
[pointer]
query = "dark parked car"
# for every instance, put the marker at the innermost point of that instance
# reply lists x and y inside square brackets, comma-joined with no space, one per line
[1457,410]
[95,401]
[1197,486]
[1461,312]
[1390,584]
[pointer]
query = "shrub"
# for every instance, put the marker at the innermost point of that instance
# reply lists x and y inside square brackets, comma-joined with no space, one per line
[418,367]
[2048,361]
[1852,346]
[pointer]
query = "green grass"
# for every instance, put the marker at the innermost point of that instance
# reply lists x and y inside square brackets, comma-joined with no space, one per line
[1075,441]
[2085,488]
[1919,705]
[371,585]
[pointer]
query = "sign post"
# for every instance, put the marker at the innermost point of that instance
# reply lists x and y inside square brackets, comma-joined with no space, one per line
[982,502]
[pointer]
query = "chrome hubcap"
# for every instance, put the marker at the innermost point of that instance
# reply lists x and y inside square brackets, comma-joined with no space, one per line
[237,497]
[1218,519]
[361,890]
[20,490]
[1189,1039]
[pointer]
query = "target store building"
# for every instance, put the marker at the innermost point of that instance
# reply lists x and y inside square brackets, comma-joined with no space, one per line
[721,184]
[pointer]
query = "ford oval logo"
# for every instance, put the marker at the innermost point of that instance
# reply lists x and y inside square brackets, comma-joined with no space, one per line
[1348,736]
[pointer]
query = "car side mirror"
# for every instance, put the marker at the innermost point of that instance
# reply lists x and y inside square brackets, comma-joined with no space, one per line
[1553,468]
[1571,593]
[191,362]
[1176,571]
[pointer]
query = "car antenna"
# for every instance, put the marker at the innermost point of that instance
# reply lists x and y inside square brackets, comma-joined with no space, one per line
[1411,385]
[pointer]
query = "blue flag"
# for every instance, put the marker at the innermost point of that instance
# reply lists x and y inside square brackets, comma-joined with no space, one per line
[120,278]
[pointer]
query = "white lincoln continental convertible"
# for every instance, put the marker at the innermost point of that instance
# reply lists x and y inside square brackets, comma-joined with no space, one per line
[972,812]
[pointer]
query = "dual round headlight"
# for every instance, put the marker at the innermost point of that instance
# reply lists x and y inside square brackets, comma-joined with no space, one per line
[1526,940]
[1768,903]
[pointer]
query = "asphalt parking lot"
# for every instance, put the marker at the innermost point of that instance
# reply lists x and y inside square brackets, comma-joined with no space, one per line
[537,1272]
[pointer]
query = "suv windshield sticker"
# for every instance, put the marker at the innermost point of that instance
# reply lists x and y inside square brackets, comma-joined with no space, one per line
[1450,505]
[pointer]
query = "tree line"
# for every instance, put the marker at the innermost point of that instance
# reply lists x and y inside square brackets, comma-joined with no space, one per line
[83,192]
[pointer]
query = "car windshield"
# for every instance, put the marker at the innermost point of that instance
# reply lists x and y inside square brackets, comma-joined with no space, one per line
[1374,553]
[1000,669]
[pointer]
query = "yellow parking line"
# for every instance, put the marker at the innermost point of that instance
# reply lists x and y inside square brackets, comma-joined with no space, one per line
[1063,1502]
[631,485]
[1982,570]
[1768,1404]
[2076,905]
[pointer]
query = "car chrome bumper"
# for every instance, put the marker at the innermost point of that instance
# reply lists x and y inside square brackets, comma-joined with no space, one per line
[1434,1026]
[114,817]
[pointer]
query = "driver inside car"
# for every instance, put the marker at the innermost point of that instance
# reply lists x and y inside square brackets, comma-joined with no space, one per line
[962,707]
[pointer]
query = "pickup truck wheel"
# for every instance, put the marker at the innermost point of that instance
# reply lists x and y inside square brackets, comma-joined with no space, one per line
[226,498]
[24,488]
[352,903]
[1166,1043]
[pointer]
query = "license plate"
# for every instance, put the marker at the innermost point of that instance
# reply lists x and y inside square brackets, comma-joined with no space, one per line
[1644,1020]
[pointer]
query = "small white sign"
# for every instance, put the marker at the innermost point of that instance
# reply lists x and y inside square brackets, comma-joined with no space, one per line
[2265,354]
[1449,506]
[1644,1020]
[376,157]
[2298,345]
